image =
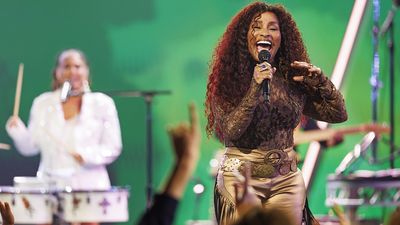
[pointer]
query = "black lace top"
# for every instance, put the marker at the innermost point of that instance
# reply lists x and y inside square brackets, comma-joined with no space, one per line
[257,124]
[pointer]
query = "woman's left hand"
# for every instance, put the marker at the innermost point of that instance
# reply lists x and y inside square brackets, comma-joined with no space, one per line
[314,75]
[78,157]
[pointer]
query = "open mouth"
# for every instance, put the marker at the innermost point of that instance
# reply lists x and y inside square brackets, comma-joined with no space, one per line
[263,45]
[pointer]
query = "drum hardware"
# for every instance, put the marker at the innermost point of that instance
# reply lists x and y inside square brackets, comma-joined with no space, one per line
[352,188]
[359,150]
[357,190]
[363,188]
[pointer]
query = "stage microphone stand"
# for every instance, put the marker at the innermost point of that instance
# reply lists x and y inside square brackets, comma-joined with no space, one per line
[148,97]
[374,80]
[388,27]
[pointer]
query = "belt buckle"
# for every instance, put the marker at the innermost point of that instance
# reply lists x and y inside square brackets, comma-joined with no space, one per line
[274,163]
[275,157]
[279,159]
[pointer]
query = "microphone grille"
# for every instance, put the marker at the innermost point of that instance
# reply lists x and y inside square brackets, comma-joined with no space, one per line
[65,91]
[264,56]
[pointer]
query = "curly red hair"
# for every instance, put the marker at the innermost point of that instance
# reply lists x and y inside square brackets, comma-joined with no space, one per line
[232,65]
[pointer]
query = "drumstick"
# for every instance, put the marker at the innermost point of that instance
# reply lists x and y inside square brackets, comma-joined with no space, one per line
[75,155]
[18,89]
[4,146]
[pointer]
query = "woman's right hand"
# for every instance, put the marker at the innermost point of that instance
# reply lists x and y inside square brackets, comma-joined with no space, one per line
[263,71]
[14,121]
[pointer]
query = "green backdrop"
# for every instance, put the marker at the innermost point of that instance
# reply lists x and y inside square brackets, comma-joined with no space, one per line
[167,45]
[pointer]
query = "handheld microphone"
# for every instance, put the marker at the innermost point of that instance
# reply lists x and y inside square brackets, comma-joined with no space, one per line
[264,56]
[65,91]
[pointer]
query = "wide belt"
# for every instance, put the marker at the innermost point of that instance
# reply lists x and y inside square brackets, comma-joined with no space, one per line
[274,163]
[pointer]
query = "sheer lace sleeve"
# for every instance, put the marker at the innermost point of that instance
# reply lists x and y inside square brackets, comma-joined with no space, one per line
[234,123]
[324,101]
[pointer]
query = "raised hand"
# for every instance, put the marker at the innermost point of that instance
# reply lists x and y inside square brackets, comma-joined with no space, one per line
[305,66]
[6,214]
[186,137]
[245,195]
[311,75]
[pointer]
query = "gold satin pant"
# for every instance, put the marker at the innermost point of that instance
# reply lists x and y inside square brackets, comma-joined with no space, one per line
[286,192]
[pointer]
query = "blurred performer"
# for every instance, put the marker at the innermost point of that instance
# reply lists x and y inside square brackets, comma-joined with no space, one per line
[76,131]
[254,102]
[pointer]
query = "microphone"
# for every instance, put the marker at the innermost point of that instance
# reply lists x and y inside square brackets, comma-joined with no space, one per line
[264,56]
[65,91]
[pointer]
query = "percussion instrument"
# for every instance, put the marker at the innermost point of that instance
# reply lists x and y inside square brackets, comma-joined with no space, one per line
[365,188]
[94,205]
[34,201]
[352,188]
[29,206]
[35,183]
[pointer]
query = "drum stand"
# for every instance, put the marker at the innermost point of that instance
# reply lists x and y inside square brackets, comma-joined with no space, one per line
[389,27]
[352,189]
[148,97]
[374,80]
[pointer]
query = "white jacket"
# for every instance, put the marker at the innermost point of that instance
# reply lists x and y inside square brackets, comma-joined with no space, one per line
[94,133]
